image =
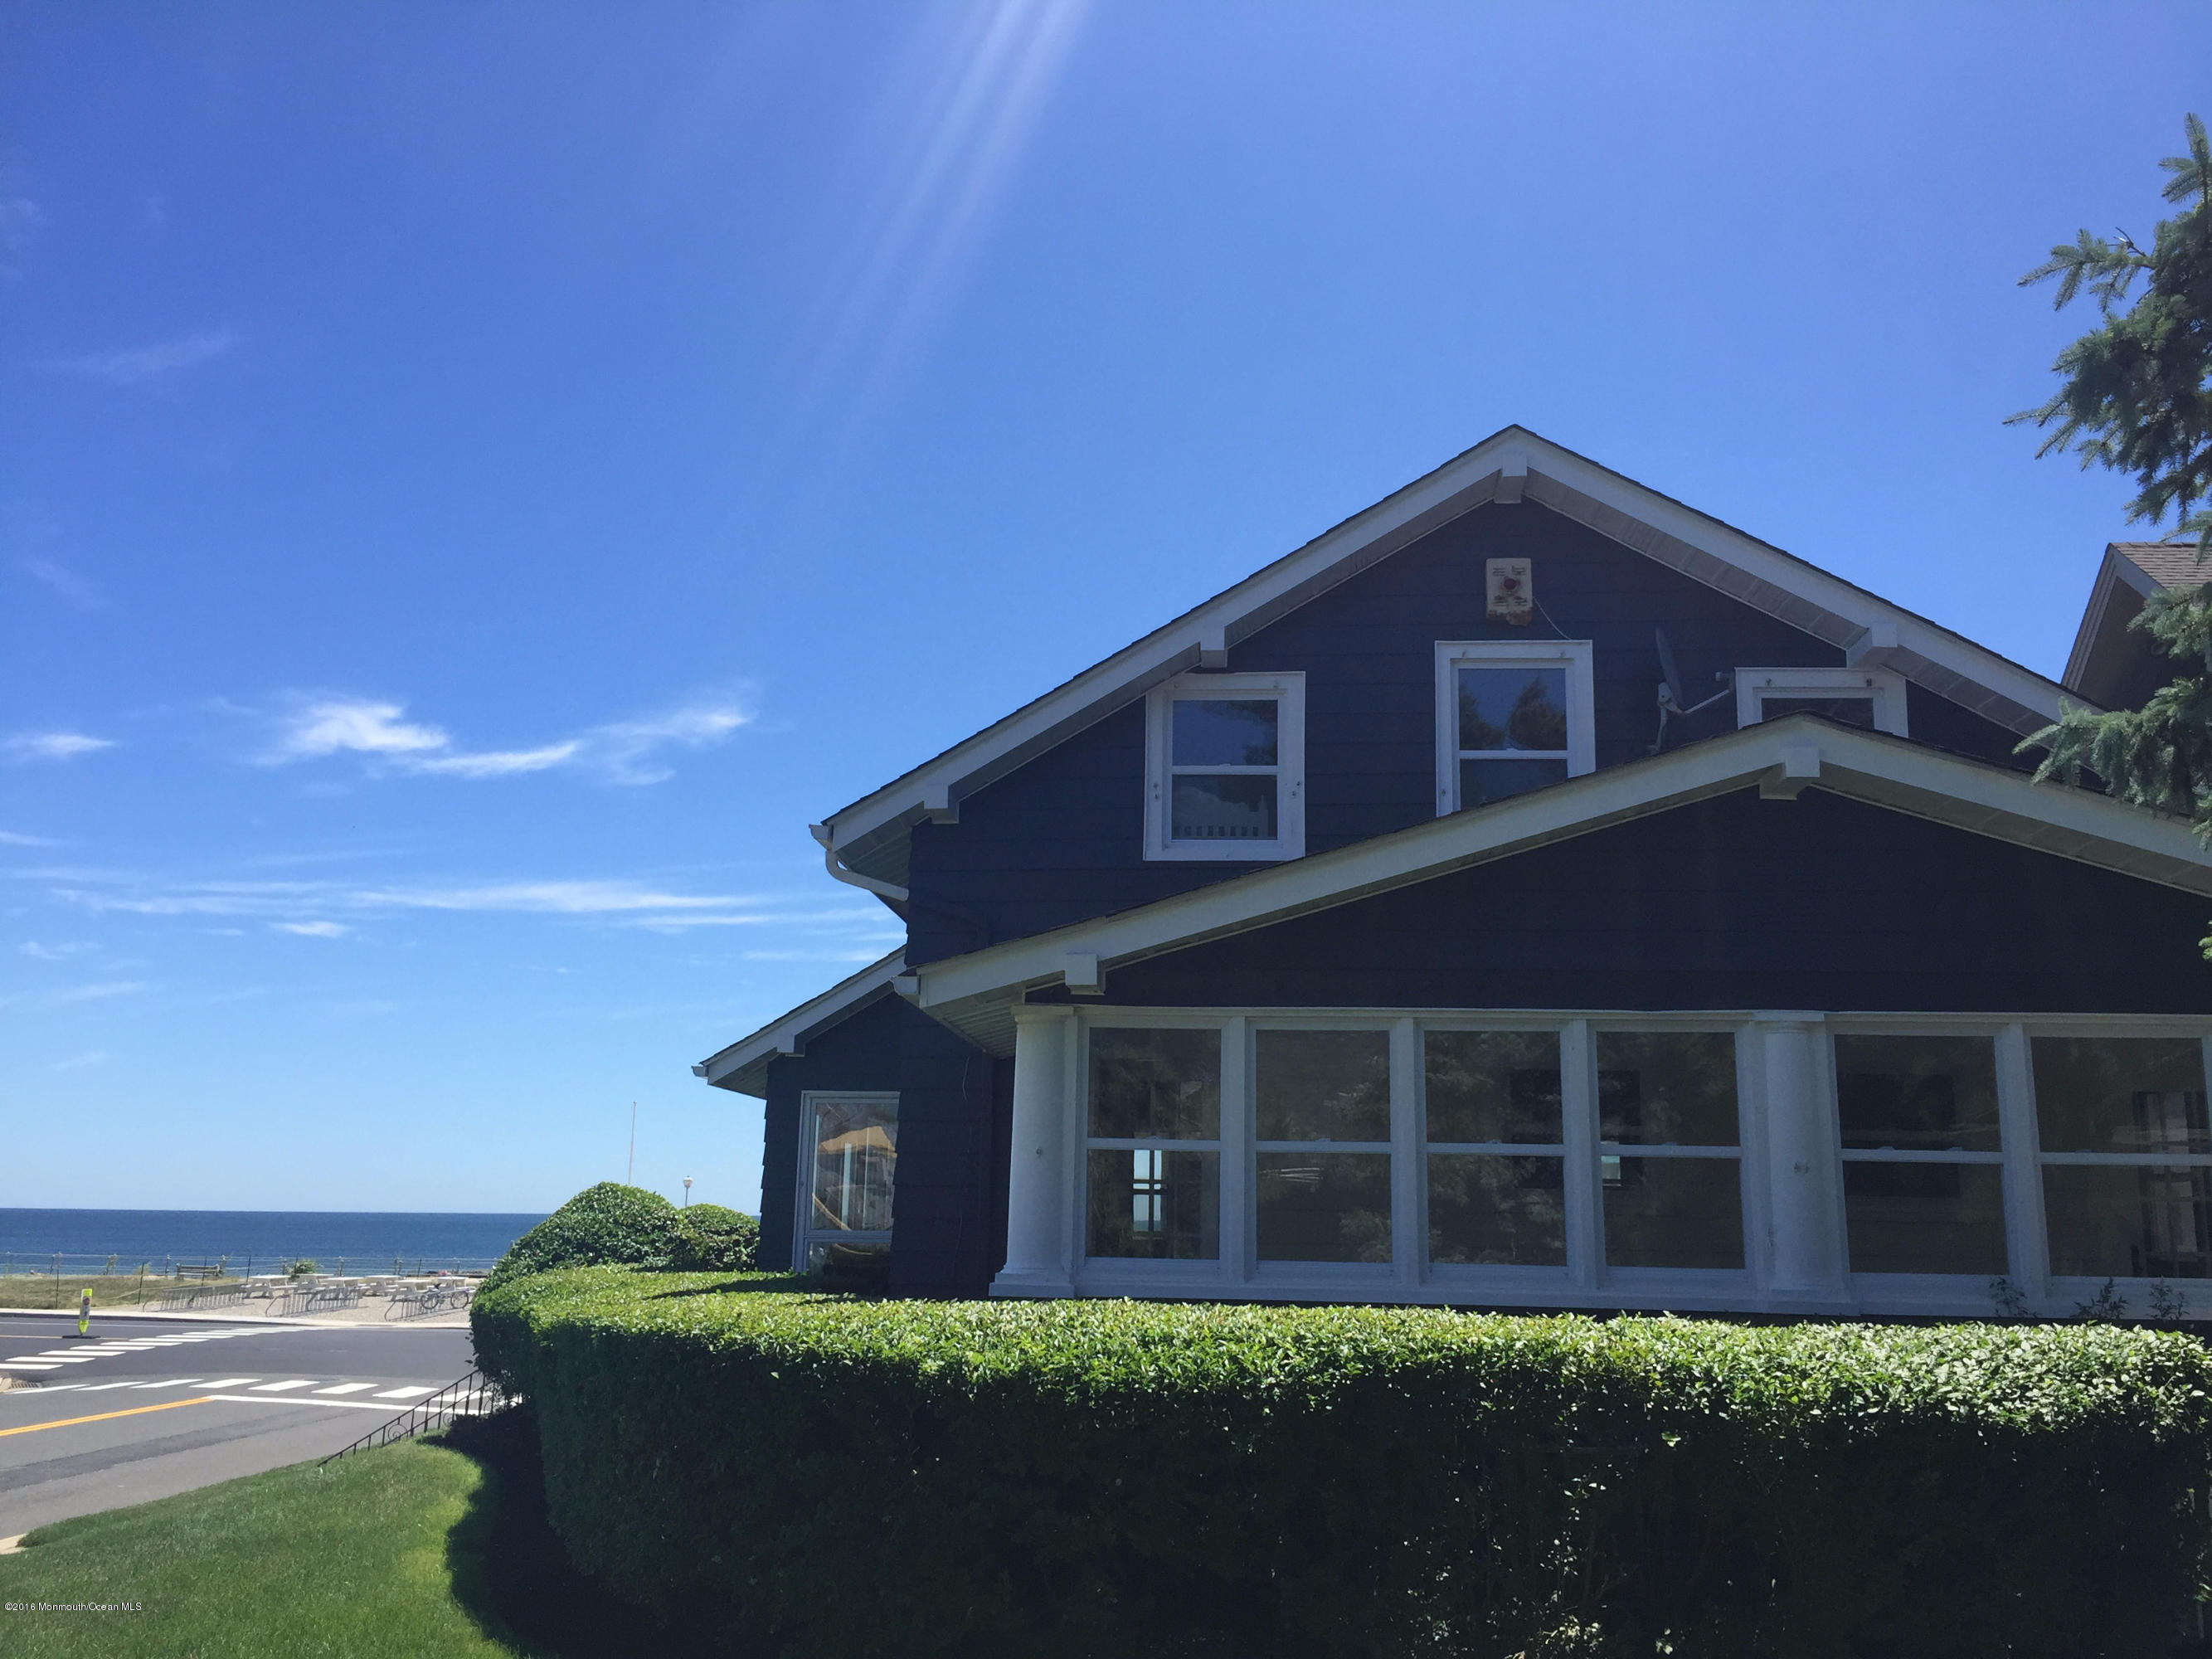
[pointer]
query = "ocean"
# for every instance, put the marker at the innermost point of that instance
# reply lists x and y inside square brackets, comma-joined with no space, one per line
[261,1240]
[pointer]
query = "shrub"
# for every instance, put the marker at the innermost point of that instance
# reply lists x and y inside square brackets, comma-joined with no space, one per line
[853,1477]
[711,1239]
[608,1223]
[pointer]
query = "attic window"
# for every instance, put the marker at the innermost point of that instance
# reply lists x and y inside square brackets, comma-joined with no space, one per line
[1225,763]
[1511,716]
[1868,697]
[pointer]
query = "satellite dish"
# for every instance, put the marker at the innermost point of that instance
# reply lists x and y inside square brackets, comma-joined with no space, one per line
[1668,673]
[1671,694]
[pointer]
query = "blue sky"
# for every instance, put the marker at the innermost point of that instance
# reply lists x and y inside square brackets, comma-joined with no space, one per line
[474,484]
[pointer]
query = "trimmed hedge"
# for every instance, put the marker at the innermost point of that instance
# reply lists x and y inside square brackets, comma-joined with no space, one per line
[608,1223]
[847,1477]
[709,1238]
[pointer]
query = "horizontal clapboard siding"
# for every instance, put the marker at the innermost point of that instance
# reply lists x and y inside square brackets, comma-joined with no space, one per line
[948,1215]
[1061,840]
[1735,902]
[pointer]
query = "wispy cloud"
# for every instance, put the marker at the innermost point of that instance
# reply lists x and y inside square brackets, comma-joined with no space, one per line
[328,909]
[10,838]
[21,218]
[78,1062]
[96,993]
[620,752]
[128,365]
[51,746]
[64,581]
[31,947]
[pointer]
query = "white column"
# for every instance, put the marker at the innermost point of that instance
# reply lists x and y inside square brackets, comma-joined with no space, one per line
[2027,1246]
[1583,1208]
[1039,1206]
[1408,1230]
[1804,1174]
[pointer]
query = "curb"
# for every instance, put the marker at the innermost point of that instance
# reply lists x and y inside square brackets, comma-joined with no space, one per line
[298,1323]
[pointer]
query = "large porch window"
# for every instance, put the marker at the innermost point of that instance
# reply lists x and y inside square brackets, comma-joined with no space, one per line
[2127,1156]
[850,1144]
[1897,1163]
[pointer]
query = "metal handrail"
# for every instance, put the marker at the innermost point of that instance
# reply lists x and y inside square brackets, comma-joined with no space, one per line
[474,1395]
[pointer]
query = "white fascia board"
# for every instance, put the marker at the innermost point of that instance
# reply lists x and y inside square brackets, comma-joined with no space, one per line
[743,1066]
[1794,591]
[1702,547]
[1802,749]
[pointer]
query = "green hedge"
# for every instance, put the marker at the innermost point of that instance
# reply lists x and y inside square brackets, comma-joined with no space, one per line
[849,1477]
[612,1222]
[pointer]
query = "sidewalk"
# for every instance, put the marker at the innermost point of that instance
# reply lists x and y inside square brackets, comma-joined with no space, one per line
[368,1313]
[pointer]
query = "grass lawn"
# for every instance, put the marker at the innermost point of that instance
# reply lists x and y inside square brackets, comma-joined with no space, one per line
[428,1548]
[28,1290]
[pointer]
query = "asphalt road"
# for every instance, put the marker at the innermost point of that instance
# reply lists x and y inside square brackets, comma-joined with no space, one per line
[147,1407]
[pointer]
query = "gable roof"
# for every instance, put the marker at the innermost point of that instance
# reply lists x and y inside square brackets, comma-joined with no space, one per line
[1514,464]
[742,1066]
[2106,656]
[975,994]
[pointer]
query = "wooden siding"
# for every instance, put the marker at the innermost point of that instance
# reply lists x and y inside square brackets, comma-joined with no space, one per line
[1061,840]
[1735,902]
[949,1213]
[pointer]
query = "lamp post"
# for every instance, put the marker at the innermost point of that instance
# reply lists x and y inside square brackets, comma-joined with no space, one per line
[687,1192]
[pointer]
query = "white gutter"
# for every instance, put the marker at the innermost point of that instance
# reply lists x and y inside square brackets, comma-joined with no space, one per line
[839,871]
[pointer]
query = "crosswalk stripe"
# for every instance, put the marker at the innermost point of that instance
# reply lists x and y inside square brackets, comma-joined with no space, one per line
[348,1387]
[26,1365]
[279,1388]
[229,1382]
[410,1392]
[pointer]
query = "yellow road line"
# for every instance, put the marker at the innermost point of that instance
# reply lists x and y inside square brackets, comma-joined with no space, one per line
[101,1417]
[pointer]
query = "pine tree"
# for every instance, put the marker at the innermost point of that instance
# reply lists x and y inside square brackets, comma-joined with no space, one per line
[2137,397]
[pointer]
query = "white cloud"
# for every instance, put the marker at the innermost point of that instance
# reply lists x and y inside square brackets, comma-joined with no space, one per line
[31,947]
[51,746]
[20,218]
[497,762]
[798,920]
[9,838]
[78,1062]
[113,987]
[349,726]
[620,752]
[128,365]
[64,581]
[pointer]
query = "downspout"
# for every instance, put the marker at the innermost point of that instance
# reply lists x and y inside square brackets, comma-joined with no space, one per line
[900,900]
[894,896]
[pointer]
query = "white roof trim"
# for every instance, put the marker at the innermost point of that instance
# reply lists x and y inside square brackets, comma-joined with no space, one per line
[742,1066]
[1873,632]
[974,994]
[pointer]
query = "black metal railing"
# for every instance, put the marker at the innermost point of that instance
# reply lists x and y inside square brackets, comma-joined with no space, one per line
[474,1395]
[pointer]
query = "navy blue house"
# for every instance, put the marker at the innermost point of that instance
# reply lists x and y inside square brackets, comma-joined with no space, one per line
[1533,892]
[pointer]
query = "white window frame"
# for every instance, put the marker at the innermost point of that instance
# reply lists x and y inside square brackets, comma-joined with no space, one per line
[2020,1252]
[1754,685]
[2033,1160]
[1765,1284]
[804,1235]
[1454,654]
[1288,692]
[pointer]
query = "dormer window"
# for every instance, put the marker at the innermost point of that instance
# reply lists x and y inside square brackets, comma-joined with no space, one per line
[1870,698]
[1226,767]
[1512,715]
